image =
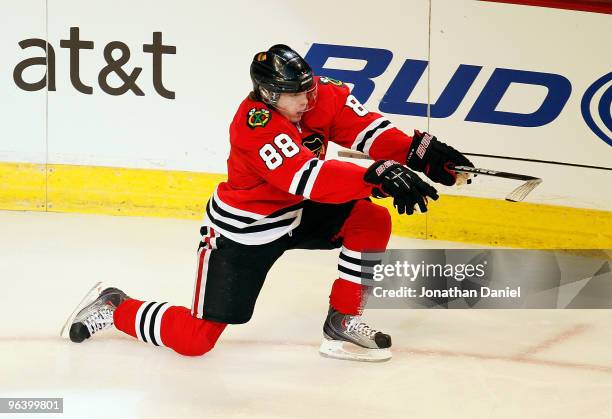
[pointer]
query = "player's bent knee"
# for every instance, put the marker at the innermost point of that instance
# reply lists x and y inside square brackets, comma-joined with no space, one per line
[381,217]
[201,348]
[375,215]
[196,347]
[199,337]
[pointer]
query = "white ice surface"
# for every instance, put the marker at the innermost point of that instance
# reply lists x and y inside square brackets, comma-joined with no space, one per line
[446,364]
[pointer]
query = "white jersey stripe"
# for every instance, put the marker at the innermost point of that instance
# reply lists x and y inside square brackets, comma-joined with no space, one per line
[363,133]
[312,179]
[241,224]
[298,177]
[258,237]
[370,141]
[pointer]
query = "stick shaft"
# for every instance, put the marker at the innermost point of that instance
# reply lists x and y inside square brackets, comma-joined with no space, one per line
[517,195]
[463,169]
[488,172]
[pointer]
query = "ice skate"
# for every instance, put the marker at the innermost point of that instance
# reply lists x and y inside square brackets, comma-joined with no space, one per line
[94,313]
[348,337]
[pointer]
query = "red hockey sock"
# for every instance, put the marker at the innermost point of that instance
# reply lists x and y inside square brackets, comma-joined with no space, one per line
[367,229]
[165,325]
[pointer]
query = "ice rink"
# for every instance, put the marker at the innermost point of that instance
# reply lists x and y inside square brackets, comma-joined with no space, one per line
[446,364]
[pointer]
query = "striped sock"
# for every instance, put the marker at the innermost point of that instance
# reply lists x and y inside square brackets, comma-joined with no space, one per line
[148,322]
[365,232]
[142,320]
[164,325]
[354,273]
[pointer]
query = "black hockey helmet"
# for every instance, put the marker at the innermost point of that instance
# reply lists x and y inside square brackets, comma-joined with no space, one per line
[280,70]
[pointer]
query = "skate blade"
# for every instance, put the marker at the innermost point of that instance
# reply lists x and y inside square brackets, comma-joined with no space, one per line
[91,295]
[338,349]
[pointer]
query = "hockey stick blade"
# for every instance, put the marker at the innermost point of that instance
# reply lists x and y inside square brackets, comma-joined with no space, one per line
[522,191]
[517,195]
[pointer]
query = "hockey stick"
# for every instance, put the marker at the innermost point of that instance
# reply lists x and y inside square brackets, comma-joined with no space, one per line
[517,195]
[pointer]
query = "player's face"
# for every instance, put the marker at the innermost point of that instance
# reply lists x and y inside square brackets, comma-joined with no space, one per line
[293,105]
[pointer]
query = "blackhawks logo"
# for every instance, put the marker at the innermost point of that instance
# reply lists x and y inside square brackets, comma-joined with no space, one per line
[258,117]
[329,80]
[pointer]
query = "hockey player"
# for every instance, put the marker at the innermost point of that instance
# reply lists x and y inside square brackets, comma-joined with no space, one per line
[282,194]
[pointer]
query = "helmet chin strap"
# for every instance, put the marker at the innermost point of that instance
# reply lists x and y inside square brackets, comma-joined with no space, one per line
[268,97]
[271,99]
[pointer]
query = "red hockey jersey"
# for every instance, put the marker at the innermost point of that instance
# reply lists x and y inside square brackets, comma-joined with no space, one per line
[274,165]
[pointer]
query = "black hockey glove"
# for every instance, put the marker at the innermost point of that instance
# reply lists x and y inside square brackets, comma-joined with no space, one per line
[434,158]
[407,189]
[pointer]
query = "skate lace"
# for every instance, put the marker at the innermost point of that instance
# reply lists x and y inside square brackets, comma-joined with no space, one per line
[356,325]
[99,319]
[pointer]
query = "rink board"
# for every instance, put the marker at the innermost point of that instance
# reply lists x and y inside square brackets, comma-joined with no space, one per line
[141,192]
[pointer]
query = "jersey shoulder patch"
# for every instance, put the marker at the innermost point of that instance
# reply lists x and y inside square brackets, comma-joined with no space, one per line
[258,117]
[329,80]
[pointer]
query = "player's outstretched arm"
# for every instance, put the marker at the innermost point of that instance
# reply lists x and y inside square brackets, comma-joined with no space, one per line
[393,179]
[329,181]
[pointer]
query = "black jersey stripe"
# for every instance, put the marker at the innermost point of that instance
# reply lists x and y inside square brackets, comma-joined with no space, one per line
[304,179]
[250,229]
[224,213]
[370,133]
[286,210]
[250,220]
